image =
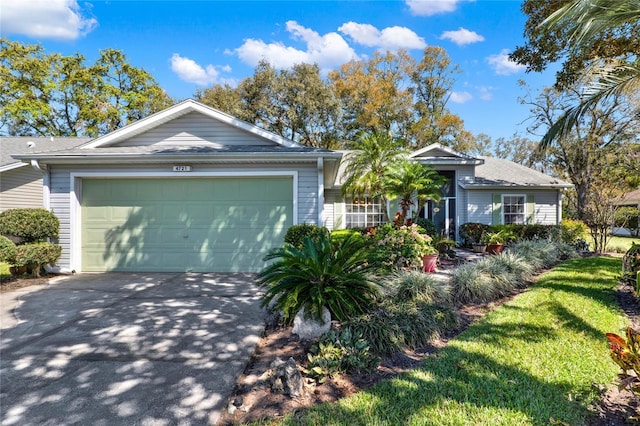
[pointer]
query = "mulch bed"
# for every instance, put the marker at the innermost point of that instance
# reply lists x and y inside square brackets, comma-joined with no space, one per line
[12,283]
[615,407]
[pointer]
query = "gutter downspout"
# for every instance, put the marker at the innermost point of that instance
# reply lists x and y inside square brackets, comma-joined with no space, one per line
[46,183]
[320,200]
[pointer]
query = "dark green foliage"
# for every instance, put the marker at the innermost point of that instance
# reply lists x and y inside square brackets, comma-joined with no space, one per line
[37,255]
[473,232]
[319,274]
[30,225]
[529,232]
[7,250]
[397,325]
[426,224]
[340,351]
[628,217]
[297,233]
[631,263]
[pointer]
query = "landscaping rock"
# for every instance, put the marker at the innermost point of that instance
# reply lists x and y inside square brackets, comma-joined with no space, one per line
[309,329]
[286,378]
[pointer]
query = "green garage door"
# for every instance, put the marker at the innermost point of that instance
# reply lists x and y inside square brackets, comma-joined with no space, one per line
[176,225]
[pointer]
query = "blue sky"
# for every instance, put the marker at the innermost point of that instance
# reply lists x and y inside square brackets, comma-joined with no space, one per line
[188,45]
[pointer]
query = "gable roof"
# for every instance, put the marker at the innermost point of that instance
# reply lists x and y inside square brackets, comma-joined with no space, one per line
[630,198]
[21,145]
[179,110]
[500,173]
[436,154]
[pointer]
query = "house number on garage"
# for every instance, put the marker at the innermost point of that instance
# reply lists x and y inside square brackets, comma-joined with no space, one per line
[181,168]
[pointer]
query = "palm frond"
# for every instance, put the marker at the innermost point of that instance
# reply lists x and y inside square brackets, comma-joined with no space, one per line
[586,19]
[609,82]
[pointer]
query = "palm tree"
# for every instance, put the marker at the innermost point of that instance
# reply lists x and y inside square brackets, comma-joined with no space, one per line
[587,19]
[408,180]
[369,164]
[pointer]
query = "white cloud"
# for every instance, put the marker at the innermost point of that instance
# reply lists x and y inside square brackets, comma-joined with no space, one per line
[460,97]
[191,72]
[431,7]
[486,93]
[462,36]
[502,65]
[390,38]
[54,19]
[328,51]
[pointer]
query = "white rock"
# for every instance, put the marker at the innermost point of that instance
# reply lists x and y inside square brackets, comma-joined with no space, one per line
[309,329]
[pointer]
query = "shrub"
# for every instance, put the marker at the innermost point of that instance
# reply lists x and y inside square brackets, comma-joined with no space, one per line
[30,225]
[339,235]
[297,233]
[572,231]
[473,232]
[379,329]
[470,285]
[37,255]
[626,353]
[631,263]
[7,250]
[399,248]
[428,226]
[627,217]
[316,275]
[340,351]
[514,265]
[416,286]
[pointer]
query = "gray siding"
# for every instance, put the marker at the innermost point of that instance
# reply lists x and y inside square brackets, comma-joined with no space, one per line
[329,209]
[480,205]
[60,187]
[20,188]
[195,129]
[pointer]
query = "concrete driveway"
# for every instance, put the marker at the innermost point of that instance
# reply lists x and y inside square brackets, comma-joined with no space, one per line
[127,349]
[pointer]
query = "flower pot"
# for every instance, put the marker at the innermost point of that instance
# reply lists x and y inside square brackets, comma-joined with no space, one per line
[494,248]
[429,262]
[479,248]
[17,270]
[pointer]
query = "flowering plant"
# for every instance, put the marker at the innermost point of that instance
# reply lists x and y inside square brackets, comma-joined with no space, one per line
[402,247]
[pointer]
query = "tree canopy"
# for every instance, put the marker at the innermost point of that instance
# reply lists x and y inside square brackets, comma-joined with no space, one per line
[49,94]
[390,93]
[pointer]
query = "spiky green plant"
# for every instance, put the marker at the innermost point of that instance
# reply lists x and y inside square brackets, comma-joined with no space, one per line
[319,274]
[418,286]
[470,285]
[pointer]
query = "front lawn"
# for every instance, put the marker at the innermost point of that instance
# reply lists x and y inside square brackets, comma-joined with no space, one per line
[534,360]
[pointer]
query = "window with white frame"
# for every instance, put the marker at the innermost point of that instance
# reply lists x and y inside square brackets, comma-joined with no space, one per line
[514,209]
[363,212]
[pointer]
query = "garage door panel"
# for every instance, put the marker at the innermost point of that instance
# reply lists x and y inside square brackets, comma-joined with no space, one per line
[213,224]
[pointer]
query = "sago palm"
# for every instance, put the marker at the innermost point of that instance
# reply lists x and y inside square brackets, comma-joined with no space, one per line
[319,274]
[368,165]
[587,19]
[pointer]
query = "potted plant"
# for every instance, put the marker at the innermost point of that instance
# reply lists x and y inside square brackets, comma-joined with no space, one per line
[429,258]
[496,240]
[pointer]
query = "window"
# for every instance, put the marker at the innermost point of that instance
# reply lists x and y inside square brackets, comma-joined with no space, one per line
[363,212]
[514,209]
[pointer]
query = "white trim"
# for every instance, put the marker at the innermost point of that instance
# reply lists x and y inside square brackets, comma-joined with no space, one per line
[46,189]
[75,189]
[12,166]
[320,199]
[502,213]
[179,110]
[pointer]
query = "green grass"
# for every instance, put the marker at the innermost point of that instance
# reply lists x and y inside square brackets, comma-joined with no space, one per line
[530,360]
[4,271]
[619,244]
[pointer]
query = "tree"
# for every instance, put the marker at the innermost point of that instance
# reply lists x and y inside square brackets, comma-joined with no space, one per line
[45,94]
[408,180]
[584,155]
[296,104]
[577,31]
[369,164]
[600,38]
[394,93]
